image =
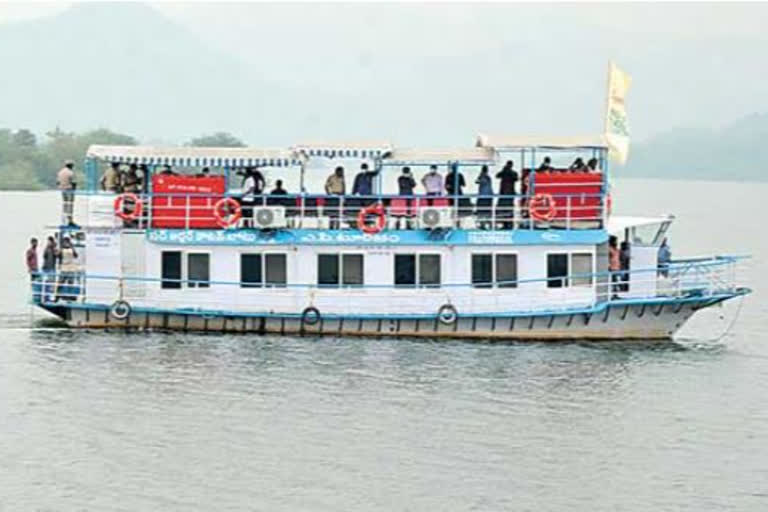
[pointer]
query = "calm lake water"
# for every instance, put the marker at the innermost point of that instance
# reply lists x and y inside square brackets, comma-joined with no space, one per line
[108,421]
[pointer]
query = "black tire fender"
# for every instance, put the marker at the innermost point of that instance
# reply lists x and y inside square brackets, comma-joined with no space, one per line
[120,310]
[310,316]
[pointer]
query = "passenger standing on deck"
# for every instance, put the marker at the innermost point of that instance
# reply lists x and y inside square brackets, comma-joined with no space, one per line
[363,184]
[335,187]
[132,180]
[406,183]
[664,258]
[110,181]
[31,259]
[258,183]
[624,259]
[432,182]
[49,268]
[405,186]
[592,165]
[455,182]
[32,268]
[454,186]
[505,209]
[614,264]
[66,181]
[248,199]
[485,199]
[67,270]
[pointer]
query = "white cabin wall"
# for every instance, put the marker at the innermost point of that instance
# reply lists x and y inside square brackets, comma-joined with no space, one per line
[379,271]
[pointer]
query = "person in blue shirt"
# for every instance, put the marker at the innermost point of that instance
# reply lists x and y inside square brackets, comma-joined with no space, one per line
[485,199]
[664,258]
[363,184]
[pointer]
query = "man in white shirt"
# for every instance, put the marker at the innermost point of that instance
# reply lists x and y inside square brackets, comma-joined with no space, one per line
[66,182]
[433,182]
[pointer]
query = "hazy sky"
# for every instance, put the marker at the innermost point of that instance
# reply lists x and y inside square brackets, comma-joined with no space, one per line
[692,63]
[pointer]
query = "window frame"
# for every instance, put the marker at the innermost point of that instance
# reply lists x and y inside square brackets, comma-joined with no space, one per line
[183,282]
[172,283]
[262,255]
[417,270]
[494,283]
[340,262]
[567,280]
[185,271]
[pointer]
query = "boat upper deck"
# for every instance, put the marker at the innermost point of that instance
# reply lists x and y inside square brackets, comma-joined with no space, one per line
[370,187]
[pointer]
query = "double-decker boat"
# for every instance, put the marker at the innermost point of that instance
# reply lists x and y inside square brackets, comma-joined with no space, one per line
[182,252]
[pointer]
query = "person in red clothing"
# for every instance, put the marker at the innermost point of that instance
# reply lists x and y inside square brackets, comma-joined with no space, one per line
[614,264]
[31,256]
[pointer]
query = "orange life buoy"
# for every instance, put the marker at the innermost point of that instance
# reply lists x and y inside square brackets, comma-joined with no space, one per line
[133,214]
[542,207]
[362,218]
[231,215]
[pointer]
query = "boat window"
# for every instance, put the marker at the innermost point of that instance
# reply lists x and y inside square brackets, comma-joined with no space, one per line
[405,269]
[352,269]
[581,269]
[170,270]
[275,270]
[250,270]
[423,269]
[257,270]
[345,269]
[429,270]
[490,270]
[482,270]
[506,270]
[198,270]
[644,235]
[557,270]
[328,269]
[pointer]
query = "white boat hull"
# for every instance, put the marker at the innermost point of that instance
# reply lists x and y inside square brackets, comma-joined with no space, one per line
[631,321]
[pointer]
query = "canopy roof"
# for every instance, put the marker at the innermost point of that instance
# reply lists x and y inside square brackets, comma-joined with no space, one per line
[466,156]
[617,224]
[349,149]
[502,142]
[194,157]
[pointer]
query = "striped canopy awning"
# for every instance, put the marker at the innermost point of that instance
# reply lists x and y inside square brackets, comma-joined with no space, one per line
[355,149]
[506,142]
[464,156]
[195,157]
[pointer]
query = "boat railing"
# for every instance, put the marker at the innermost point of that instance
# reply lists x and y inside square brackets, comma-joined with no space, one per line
[315,211]
[680,280]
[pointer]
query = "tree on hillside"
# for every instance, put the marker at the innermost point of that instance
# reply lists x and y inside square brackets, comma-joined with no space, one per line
[24,138]
[217,140]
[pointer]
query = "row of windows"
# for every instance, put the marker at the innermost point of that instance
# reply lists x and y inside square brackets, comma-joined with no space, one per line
[258,270]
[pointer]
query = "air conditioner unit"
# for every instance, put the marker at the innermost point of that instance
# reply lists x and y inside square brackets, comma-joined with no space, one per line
[269,217]
[435,218]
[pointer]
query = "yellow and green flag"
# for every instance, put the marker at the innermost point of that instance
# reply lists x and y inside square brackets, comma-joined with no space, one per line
[616,124]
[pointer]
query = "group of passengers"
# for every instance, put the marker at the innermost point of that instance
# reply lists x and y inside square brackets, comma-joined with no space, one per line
[133,178]
[434,185]
[58,276]
[116,179]
[619,257]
